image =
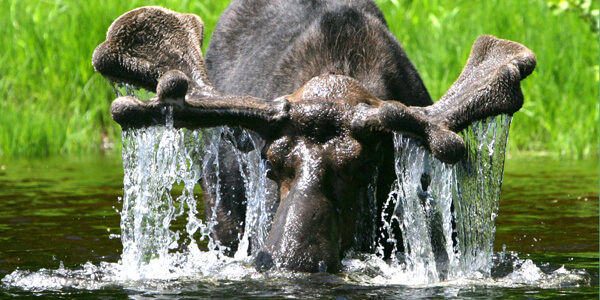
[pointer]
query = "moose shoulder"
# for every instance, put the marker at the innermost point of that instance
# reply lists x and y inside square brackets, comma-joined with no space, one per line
[308,78]
[268,49]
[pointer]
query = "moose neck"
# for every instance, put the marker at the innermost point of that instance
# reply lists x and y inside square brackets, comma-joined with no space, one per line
[308,39]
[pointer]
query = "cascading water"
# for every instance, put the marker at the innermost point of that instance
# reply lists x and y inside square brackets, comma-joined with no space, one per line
[157,158]
[447,213]
[252,168]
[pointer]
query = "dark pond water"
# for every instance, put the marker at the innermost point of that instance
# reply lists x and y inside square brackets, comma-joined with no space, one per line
[58,214]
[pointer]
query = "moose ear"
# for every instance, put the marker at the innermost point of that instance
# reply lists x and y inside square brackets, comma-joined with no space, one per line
[145,43]
[489,85]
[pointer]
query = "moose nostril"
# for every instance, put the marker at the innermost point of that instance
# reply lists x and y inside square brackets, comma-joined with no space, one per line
[270,173]
[263,260]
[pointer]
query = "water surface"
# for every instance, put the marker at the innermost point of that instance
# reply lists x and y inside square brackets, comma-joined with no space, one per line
[58,214]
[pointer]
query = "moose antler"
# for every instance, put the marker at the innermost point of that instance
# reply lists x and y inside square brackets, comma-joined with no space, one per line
[488,86]
[145,43]
[161,50]
[197,108]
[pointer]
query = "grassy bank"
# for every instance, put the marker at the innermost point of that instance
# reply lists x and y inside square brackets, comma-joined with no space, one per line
[52,101]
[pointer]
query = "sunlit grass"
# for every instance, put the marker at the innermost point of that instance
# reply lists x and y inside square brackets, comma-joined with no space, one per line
[560,114]
[52,101]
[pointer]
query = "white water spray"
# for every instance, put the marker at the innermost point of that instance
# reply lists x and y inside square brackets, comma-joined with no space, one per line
[441,242]
[253,169]
[154,160]
[446,213]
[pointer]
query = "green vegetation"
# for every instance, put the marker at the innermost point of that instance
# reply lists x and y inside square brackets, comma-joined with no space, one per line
[587,10]
[560,114]
[52,101]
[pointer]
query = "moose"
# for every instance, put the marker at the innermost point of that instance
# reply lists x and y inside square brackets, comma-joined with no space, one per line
[325,85]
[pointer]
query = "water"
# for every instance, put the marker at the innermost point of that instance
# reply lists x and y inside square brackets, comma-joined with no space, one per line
[259,213]
[163,248]
[64,210]
[158,158]
[153,164]
[447,213]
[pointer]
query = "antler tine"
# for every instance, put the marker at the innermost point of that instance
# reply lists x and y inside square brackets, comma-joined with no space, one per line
[489,85]
[394,116]
[199,108]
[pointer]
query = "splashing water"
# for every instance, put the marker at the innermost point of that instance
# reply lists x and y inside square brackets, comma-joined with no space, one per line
[253,169]
[446,213]
[156,158]
[153,161]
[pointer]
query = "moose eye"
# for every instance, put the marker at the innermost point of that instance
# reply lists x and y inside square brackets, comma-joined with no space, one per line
[270,173]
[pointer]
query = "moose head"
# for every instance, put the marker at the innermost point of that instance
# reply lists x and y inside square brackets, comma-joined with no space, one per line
[323,142]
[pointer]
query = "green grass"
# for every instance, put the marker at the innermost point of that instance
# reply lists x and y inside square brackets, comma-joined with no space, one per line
[560,114]
[52,101]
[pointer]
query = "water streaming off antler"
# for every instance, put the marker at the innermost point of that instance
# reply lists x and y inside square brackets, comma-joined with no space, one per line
[252,168]
[168,262]
[154,160]
[446,213]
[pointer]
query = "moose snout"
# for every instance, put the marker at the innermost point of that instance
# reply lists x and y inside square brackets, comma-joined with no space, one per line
[305,232]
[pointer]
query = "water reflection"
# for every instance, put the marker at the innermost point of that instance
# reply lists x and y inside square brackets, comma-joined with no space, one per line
[58,209]
[549,211]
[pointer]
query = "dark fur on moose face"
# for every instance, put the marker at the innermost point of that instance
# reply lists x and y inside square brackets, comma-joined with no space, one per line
[319,201]
[323,171]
